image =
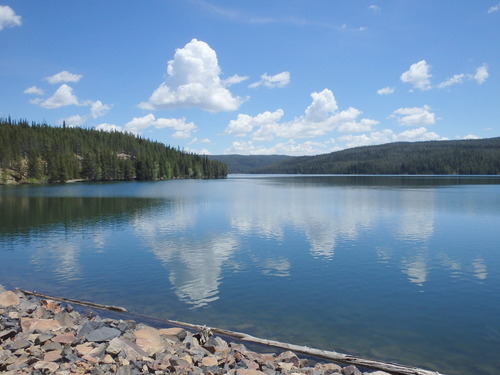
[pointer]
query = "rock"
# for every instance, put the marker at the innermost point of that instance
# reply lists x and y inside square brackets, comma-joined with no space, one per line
[20,344]
[175,334]
[88,327]
[103,334]
[64,318]
[52,346]
[83,349]
[248,372]
[65,338]
[289,357]
[30,324]
[129,349]
[44,365]
[377,373]
[42,338]
[98,351]
[351,370]
[9,299]
[149,340]
[52,356]
[209,361]
[7,334]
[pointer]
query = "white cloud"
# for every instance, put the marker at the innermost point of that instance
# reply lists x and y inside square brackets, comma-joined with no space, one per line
[323,104]
[63,76]
[278,80]
[193,81]
[386,91]
[481,74]
[457,78]
[72,121]
[8,18]
[34,90]
[320,117]
[62,97]
[108,127]
[285,148]
[388,136]
[471,136]
[97,109]
[244,124]
[414,116]
[374,8]
[234,80]
[494,8]
[182,128]
[418,75]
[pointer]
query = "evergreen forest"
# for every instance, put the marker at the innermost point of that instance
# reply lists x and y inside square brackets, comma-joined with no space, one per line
[460,157]
[39,153]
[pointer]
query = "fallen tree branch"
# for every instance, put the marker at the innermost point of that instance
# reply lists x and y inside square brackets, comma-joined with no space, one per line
[393,368]
[81,303]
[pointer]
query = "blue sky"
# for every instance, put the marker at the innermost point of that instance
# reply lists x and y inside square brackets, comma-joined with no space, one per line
[298,77]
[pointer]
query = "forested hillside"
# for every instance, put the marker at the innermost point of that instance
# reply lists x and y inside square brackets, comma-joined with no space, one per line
[246,163]
[42,153]
[473,157]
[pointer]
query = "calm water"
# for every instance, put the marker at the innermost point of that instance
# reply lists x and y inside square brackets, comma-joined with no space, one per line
[405,269]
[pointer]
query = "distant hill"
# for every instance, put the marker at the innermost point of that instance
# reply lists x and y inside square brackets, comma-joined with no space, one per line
[467,157]
[39,153]
[247,163]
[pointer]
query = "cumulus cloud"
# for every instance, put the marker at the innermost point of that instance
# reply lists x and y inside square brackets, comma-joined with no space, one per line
[63,76]
[98,109]
[279,80]
[494,8]
[193,81]
[481,74]
[386,91]
[8,18]
[320,117]
[283,148]
[109,127]
[244,124]
[33,90]
[418,75]
[414,116]
[471,136]
[72,121]
[387,136]
[62,97]
[182,128]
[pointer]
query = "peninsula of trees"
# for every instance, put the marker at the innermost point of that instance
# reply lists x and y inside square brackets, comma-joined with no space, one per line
[461,157]
[40,153]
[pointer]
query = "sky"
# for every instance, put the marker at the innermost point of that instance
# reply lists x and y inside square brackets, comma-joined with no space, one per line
[296,77]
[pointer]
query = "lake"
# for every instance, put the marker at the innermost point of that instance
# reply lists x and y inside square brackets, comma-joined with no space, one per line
[403,269]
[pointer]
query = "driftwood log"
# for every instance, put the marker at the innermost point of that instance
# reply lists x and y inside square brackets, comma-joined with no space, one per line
[392,368]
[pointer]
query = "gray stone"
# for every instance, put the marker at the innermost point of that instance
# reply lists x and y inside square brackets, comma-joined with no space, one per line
[351,370]
[129,349]
[52,346]
[42,338]
[103,334]
[88,327]
[64,318]
[20,344]
[7,334]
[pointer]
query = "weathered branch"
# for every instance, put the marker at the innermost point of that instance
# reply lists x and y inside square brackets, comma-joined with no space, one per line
[393,368]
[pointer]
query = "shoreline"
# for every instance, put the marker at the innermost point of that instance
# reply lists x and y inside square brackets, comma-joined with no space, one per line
[41,335]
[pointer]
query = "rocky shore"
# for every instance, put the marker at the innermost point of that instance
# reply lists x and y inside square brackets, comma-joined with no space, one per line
[41,336]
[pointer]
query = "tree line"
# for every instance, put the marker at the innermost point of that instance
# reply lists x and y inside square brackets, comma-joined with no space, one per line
[461,157]
[39,153]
